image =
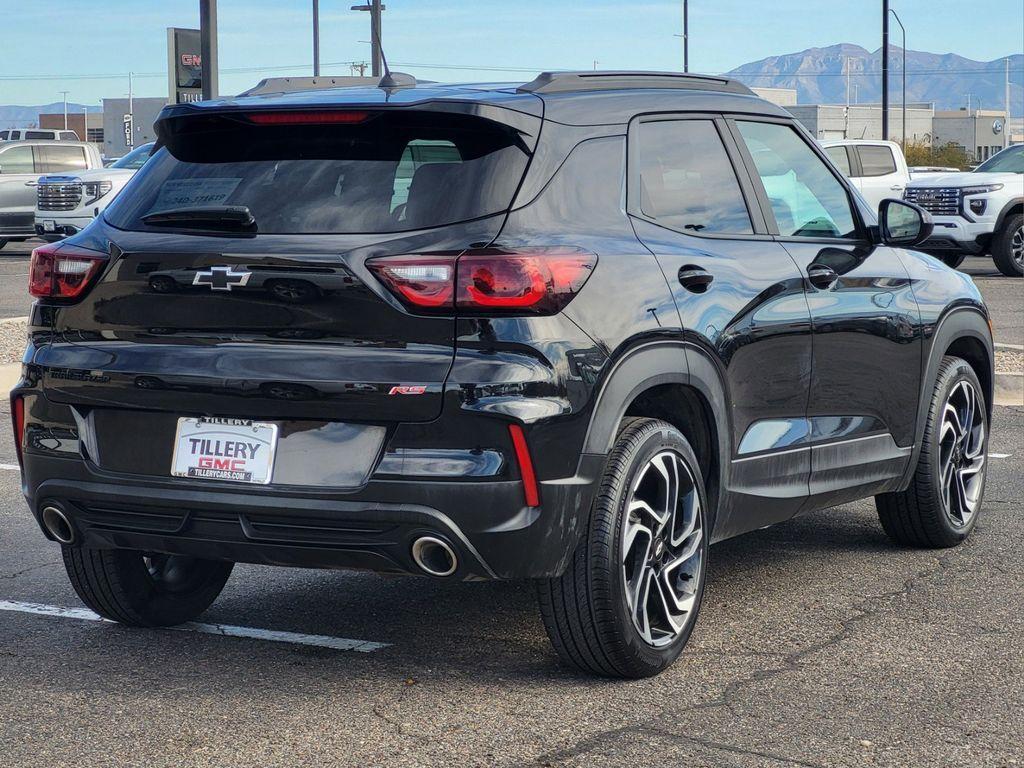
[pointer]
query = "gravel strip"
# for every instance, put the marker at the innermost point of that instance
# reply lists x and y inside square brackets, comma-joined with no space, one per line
[12,340]
[1009,361]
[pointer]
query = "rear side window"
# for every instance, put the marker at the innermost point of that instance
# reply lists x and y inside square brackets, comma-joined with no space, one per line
[876,161]
[686,180]
[39,135]
[841,159]
[387,173]
[17,160]
[69,136]
[54,158]
[4,135]
[806,199]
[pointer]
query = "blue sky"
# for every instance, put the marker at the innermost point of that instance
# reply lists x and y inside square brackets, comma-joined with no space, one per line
[43,40]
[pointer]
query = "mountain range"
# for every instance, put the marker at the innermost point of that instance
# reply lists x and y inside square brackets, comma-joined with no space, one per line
[17,116]
[819,77]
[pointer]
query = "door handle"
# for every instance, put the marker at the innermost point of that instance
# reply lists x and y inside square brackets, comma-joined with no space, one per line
[896,186]
[822,276]
[695,279]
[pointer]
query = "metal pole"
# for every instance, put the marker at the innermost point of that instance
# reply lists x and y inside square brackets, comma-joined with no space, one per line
[131,114]
[316,38]
[86,110]
[885,70]
[686,36]
[65,109]
[904,87]
[846,115]
[375,37]
[208,47]
[1006,123]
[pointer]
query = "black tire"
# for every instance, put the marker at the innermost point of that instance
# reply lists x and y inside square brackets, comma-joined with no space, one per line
[1008,246]
[585,611]
[953,260]
[3,242]
[144,591]
[919,516]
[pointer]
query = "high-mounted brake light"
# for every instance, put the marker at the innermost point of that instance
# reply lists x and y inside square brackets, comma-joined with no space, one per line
[60,271]
[535,280]
[306,118]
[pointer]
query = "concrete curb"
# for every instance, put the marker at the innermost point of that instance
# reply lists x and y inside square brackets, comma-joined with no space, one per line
[1009,389]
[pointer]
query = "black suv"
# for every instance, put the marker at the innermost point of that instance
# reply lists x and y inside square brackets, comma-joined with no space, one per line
[575,331]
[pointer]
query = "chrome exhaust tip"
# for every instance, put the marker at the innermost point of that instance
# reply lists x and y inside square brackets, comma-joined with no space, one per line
[58,525]
[434,556]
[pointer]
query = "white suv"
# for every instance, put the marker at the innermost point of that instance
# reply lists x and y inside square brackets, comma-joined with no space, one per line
[977,212]
[877,168]
[67,203]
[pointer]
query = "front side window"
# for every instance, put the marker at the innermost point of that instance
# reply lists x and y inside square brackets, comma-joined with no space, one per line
[876,161]
[54,158]
[1008,161]
[686,179]
[17,160]
[805,197]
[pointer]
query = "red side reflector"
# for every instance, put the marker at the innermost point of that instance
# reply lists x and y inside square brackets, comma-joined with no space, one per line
[529,479]
[18,416]
[306,118]
[60,271]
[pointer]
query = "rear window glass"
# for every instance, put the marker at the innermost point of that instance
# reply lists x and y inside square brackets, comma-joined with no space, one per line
[390,173]
[839,157]
[876,161]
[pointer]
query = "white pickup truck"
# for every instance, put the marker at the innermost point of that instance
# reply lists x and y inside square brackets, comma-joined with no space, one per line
[977,212]
[877,168]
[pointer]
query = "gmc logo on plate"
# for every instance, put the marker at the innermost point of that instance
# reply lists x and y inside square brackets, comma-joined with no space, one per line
[418,389]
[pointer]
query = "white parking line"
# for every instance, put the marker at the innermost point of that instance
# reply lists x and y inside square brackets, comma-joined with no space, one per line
[999,455]
[295,638]
[10,467]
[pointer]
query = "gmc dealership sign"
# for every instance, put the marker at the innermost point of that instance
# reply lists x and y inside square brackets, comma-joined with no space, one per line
[184,65]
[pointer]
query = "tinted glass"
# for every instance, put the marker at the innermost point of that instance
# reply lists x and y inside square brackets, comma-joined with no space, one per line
[806,198]
[842,160]
[17,160]
[134,159]
[1008,161]
[69,136]
[4,135]
[876,161]
[39,135]
[335,178]
[57,159]
[686,179]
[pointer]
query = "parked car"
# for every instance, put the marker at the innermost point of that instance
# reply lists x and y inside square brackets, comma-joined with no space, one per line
[977,212]
[629,315]
[21,163]
[37,134]
[67,203]
[877,168]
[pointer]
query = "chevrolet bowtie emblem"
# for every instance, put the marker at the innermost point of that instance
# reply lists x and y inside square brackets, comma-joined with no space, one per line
[222,278]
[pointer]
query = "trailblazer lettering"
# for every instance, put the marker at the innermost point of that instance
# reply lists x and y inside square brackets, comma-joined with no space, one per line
[231,449]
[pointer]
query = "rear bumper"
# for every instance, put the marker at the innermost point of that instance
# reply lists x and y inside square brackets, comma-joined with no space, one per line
[486,522]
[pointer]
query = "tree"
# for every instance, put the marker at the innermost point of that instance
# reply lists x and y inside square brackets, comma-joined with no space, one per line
[947,155]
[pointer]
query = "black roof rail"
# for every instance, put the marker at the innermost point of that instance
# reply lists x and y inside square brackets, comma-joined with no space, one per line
[563,82]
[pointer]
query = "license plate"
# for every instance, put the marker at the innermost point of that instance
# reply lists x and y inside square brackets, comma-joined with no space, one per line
[224,449]
[49,225]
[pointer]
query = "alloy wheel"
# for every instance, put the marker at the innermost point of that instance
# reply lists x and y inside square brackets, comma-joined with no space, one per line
[962,454]
[1017,246]
[662,549]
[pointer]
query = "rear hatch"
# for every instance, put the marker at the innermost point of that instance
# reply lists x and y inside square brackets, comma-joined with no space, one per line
[275,315]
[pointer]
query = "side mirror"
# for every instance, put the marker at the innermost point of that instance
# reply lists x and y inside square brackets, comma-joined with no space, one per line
[903,224]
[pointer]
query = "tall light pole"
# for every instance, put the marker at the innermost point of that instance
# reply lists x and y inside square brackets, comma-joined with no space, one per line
[885,70]
[65,93]
[316,38]
[686,35]
[904,86]
[208,47]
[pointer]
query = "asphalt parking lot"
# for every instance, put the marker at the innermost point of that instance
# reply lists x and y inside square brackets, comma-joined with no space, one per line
[819,644]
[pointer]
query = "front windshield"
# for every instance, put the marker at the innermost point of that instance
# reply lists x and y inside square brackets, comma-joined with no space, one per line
[1008,161]
[134,159]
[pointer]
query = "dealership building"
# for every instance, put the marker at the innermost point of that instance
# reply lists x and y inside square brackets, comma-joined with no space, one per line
[116,112]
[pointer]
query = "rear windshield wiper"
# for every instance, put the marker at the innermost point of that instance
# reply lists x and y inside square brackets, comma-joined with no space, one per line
[232,218]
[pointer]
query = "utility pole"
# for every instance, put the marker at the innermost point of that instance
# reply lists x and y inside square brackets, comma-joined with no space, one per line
[1006,97]
[846,114]
[65,109]
[885,70]
[208,47]
[374,7]
[904,87]
[130,142]
[686,35]
[316,38]
[86,110]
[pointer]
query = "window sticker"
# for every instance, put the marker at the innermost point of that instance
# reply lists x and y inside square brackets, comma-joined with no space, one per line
[194,193]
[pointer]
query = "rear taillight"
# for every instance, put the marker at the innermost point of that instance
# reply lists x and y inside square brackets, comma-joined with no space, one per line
[538,280]
[18,416]
[60,271]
